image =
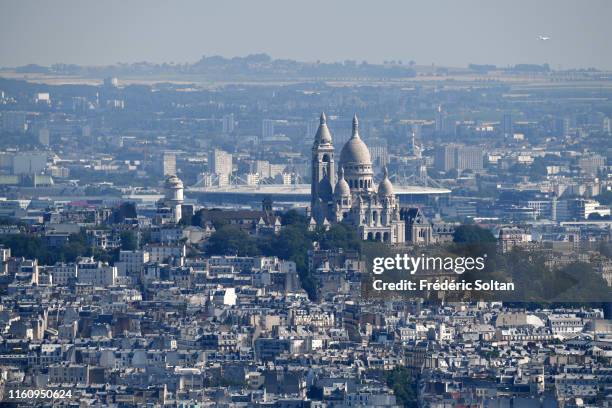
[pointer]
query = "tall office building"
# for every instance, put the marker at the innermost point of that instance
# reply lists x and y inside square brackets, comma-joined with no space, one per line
[43,136]
[607,125]
[455,157]
[228,123]
[29,163]
[311,127]
[220,163]
[169,163]
[469,158]
[252,179]
[567,127]
[507,125]
[591,164]
[87,135]
[80,103]
[267,128]
[444,158]
[261,167]
[13,121]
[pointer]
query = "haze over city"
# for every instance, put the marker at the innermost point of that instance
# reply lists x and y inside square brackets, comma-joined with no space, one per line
[306,204]
[442,32]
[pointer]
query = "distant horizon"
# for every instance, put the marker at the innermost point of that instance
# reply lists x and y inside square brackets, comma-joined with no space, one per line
[446,33]
[391,61]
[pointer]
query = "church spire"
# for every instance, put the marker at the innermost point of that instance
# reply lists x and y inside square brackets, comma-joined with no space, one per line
[355,126]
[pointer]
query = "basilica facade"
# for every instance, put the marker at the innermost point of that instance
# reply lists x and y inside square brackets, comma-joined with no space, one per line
[350,196]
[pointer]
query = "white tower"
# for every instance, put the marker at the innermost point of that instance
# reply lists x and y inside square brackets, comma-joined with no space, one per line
[173,196]
[323,173]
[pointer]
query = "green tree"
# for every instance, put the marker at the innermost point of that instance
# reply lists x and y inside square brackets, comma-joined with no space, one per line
[129,241]
[292,217]
[315,393]
[404,386]
[199,219]
[473,234]
[231,240]
[186,221]
[32,246]
[77,246]
[339,236]
[125,210]
[293,244]
[538,171]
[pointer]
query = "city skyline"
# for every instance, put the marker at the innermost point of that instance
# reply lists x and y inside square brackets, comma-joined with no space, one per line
[325,221]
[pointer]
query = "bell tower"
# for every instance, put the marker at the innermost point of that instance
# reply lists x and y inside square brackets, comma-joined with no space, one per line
[323,169]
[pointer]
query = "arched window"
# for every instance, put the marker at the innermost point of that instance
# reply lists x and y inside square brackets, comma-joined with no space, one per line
[375,217]
[360,183]
[326,158]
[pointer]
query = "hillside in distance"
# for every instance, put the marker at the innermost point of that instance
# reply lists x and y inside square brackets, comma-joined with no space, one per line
[255,66]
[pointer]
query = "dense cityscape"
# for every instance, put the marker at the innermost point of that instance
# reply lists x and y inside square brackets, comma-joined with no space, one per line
[201,234]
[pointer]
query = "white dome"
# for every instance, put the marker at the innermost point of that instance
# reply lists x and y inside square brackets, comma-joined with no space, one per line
[355,151]
[385,188]
[342,188]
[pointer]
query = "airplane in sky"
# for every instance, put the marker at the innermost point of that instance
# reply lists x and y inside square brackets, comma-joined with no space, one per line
[543,38]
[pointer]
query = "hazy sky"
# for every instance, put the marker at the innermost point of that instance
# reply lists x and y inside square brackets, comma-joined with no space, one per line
[444,32]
